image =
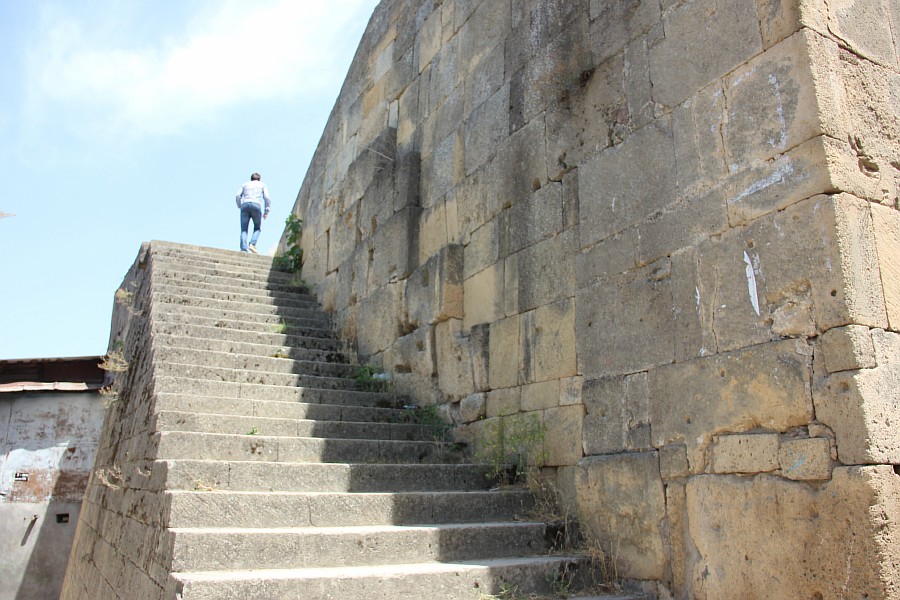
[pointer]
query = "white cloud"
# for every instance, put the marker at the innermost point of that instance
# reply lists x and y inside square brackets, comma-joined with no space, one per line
[243,52]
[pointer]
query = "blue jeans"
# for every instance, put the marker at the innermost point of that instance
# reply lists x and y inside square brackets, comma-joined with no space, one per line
[250,210]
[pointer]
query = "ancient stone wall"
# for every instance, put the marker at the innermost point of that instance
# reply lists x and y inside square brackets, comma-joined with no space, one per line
[668,230]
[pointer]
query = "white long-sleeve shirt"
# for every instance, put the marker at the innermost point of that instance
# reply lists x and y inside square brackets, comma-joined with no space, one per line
[255,192]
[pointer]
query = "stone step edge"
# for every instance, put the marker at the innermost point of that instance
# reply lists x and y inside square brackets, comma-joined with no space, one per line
[230,437]
[260,350]
[386,570]
[261,308]
[204,397]
[195,250]
[273,420]
[232,357]
[173,367]
[239,290]
[396,398]
[163,274]
[326,333]
[353,529]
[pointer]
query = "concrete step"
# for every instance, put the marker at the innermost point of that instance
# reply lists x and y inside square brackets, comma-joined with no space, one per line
[225,375]
[234,327]
[226,548]
[239,273]
[248,349]
[281,393]
[270,409]
[225,334]
[249,362]
[168,277]
[266,448]
[255,476]
[466,580]
[209,254]
[199,263]
[290,300]
[296,509]
[242,308]
[281,427]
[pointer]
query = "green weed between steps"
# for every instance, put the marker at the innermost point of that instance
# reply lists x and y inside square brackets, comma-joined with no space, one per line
[372,379]
[292,259]
[512,447]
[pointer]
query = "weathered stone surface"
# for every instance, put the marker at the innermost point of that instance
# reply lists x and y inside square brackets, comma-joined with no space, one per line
[483,295]
[472,408]
[548,342]
[395,248]
[378,322]
[771,104]
[538,396]
[749,453]
[839,545]
[703,40]
[562,434]
[532,219]
[806,459]
[503,402]
[860,407]
[848,348]
[886,222]
[432,231]
[618,414]
[485,129]
[410,361]
[673,461]
[616,190]
[570,390]
[680,225]
[639,302]
[454,362]
[621,504]
[614,23]
[434,292]
[763,386]
[505,344]
[757,284]
[483,249]
[539,274]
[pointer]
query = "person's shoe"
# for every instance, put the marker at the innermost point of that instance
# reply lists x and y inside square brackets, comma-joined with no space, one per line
[253,249]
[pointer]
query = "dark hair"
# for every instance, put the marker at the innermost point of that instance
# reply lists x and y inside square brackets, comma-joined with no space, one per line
[255,177]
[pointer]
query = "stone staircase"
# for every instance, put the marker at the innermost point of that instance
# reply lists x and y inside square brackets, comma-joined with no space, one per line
[283,480]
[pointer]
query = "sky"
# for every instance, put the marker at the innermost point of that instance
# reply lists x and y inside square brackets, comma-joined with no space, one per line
[125,121]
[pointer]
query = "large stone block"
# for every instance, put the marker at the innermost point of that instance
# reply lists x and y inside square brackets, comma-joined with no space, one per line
[395,248]
[538,396]
[615,22]
[886,222]
[563,428]
[621,505]
[794,540]
[771,104]
[625,184]
[548,342]
[483,296]
[454,359]
[614,255]
[434,291]
[540,274]
[410,361]
[848,348]
[759,284]
[486,127]
[378,319]
[432,231]
[487,27]
[683,224]
[860,407]
[763,386]
[639,304]
[745,453]
[483,249]
[618,414]
[531,220]
[521,165]
[505,344]
[806,459]
[699,147]
[343,238]
[703,41]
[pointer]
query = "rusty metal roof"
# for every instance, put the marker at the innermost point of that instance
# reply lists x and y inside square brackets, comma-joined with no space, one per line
[51,374]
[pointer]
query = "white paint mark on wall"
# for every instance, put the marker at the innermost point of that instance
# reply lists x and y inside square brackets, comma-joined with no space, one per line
[778,176]
[697,296]
[779,110]
[751,283]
